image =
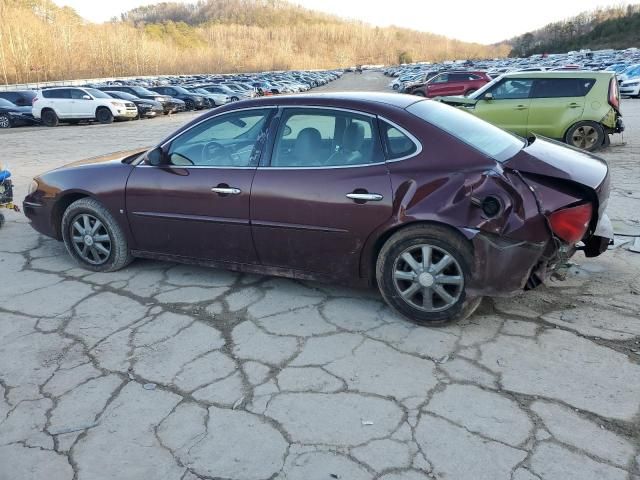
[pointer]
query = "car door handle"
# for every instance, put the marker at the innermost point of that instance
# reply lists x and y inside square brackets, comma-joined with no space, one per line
[365,197]
[574,105]
[226,190]
[521,107]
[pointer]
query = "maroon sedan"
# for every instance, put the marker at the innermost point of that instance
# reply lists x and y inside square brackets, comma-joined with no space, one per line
[435,206]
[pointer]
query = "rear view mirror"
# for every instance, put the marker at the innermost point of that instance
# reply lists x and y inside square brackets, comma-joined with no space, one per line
[286,131]
[156,157]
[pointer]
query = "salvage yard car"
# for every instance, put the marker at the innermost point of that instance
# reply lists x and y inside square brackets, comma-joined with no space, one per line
[72,104]
[12,115]
[579,108]
[451,83]
[434,206]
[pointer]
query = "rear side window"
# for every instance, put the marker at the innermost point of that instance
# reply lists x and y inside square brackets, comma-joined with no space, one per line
[12,97]
[57,93]
[484,137]
[562,87]
[397,144]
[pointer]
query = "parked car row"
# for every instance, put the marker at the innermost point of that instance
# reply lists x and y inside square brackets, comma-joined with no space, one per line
[625,63]
[146,98]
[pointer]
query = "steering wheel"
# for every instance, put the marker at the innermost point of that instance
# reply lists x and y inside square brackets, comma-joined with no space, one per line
[215,153]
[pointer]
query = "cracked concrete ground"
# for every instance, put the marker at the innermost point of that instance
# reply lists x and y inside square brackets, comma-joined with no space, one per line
[166,371]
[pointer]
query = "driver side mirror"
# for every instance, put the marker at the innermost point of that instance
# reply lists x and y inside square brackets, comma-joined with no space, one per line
[156,157]
[488,96]
[86,97]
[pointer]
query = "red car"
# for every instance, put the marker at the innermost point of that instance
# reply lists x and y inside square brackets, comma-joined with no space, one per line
[451,83]
[434,206]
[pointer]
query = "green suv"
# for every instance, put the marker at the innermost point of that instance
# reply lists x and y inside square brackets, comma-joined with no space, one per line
[579,108]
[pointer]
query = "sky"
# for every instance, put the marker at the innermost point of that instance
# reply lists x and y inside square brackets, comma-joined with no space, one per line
[486,21]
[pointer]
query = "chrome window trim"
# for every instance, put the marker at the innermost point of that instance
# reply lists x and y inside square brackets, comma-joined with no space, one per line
[410,136]
[171,139]
[328,107]
[327,167]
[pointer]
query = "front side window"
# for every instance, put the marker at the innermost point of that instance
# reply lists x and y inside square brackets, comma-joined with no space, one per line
[230,140]
[325,138]
[512,88]
[444,78]
[398,145]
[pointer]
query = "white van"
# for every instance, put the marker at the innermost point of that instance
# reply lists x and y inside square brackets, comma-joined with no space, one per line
[72,104]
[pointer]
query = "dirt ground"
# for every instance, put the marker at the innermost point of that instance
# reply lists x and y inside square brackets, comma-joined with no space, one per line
[167,371]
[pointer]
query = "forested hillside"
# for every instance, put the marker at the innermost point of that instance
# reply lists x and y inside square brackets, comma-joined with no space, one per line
[40,41]
[615,27]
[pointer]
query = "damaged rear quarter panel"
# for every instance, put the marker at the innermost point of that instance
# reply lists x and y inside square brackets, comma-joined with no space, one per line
[446,184]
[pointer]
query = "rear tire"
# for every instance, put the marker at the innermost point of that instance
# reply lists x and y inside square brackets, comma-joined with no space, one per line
[428,293]
[189,105]
[418,93]
[585,135]
[113,253]
[469,92]
[49,118]
[104,115]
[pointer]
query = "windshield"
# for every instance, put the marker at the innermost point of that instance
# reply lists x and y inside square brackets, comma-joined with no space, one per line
[122,95]
[480,92]
[481,135]
[144,91]
[181,90]
[97,93]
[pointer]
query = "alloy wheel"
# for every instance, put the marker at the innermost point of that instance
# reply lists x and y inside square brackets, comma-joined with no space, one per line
[91,239]
[584,137]
[4,121]
[428,278]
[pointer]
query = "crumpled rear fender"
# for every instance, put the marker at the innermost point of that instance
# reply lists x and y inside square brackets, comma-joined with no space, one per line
[506,245]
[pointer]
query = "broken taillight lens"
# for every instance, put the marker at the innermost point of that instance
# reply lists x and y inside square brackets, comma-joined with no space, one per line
[614,94]
[570,224]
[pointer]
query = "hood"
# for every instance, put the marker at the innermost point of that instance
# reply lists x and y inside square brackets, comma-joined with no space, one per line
[457,101]
[111,157]
[549,158]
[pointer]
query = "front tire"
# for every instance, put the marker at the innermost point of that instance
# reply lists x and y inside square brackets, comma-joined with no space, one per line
[189,105]
[586,135]
[93,237]
[469,92]
[423,272]
[104,115]
[5,121]
[418,93]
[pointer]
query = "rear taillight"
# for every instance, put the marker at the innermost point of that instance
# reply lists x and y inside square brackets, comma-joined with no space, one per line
[614,94]
[35,99]
[570,224]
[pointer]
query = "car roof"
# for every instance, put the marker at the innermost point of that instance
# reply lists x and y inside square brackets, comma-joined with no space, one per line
[561,74]
[339,99]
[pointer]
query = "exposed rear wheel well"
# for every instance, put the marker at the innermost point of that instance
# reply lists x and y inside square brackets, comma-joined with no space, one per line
[59,209]
[389,233]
